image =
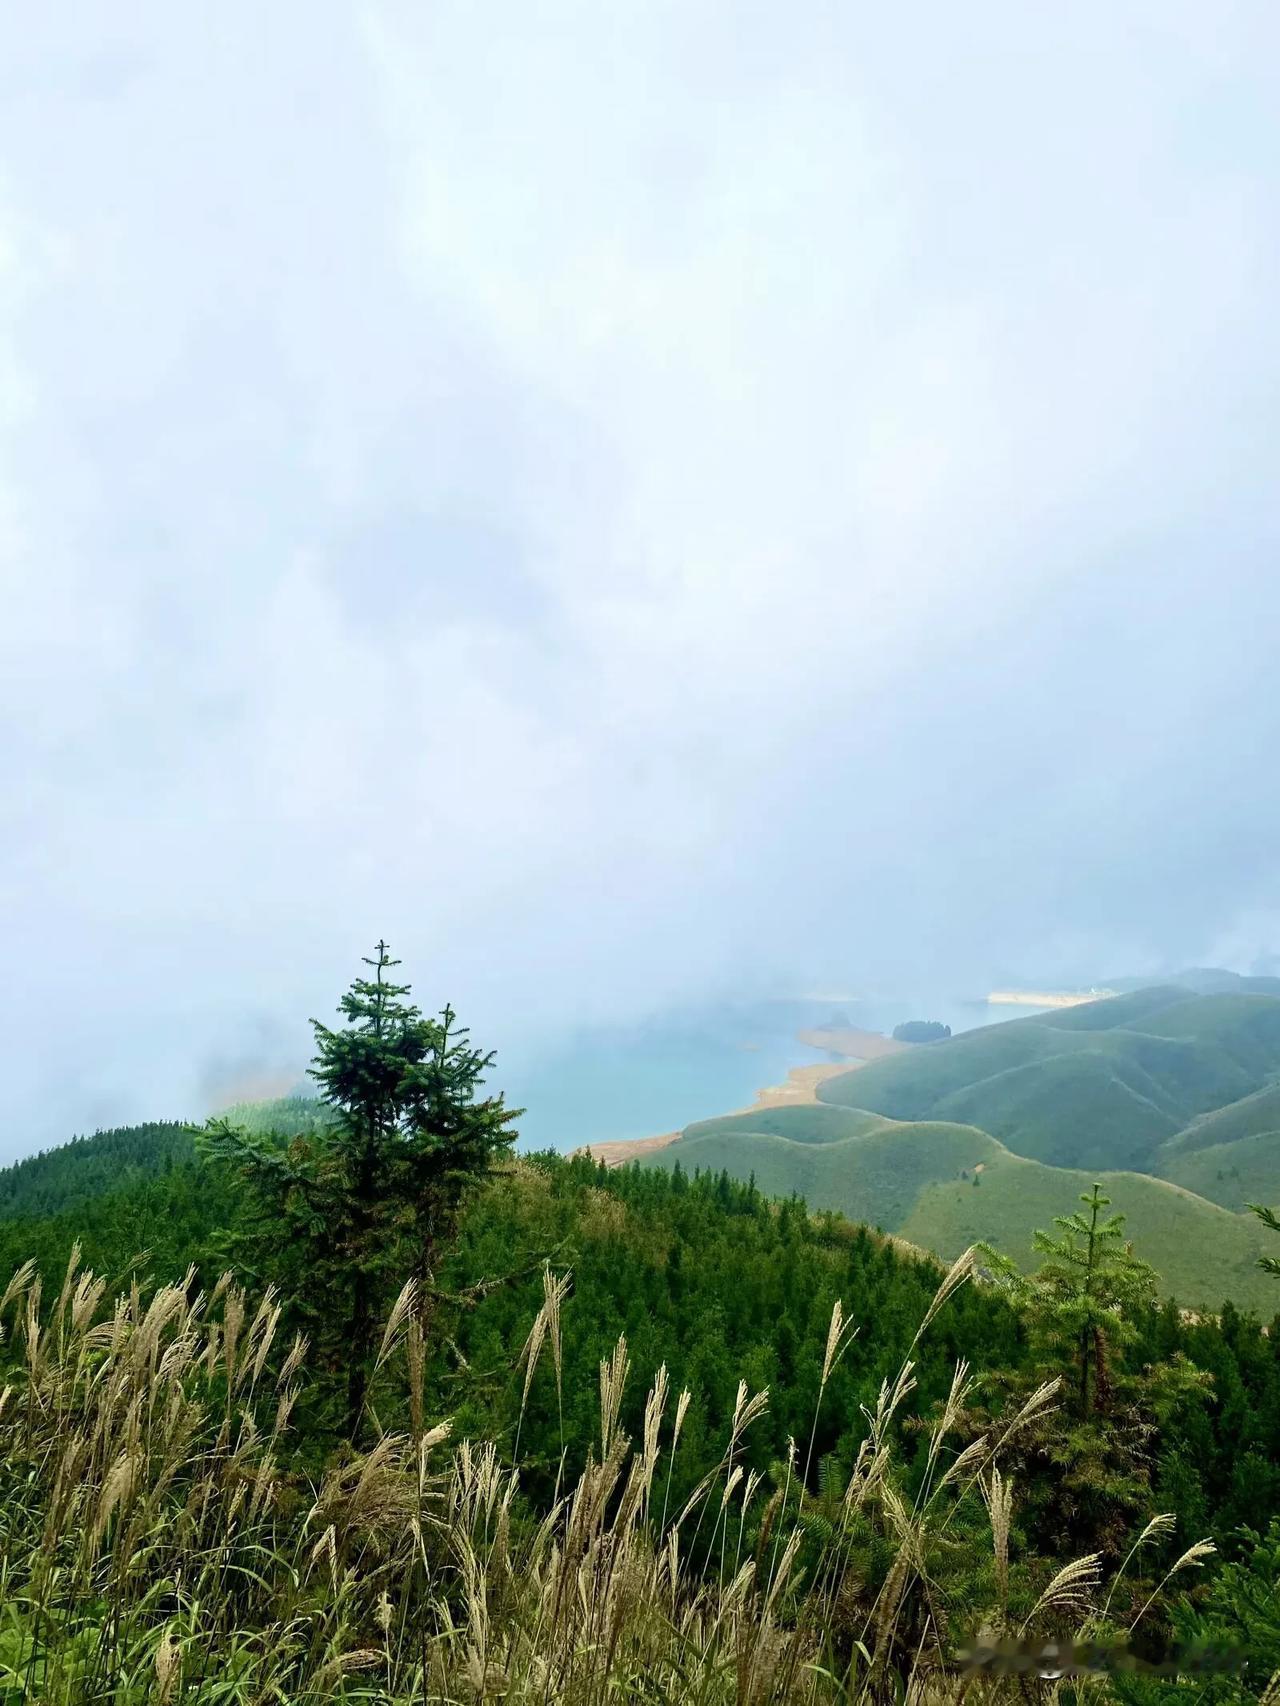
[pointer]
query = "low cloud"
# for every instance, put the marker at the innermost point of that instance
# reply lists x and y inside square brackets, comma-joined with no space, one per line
[632,506]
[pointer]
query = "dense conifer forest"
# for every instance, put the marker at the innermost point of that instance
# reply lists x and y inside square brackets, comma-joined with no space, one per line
[702,1444]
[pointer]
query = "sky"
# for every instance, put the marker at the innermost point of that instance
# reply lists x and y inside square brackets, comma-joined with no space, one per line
[634,503]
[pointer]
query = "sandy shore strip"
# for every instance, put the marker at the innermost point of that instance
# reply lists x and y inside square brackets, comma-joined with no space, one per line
[618,1153]
[801,1085]
[852,1045]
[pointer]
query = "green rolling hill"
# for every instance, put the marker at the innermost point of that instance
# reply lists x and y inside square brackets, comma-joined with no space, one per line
[1073,1110]
[809,1122]
[873,1172]
[1232,1174]
[1109,1084]
[917,1179]
[1248,1117]
[1125,1009]
[1184,1055]
[1203,1253]
[1205,980]
[1169,1095]
[910,1085]
[1231,1155]
[1245,1028]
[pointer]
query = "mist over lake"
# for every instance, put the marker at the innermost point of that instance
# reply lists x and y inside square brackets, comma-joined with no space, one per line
[615,1083]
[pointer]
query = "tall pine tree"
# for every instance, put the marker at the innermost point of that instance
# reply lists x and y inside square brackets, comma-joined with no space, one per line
[1086,1469]
[1082,1299]
[339,1218]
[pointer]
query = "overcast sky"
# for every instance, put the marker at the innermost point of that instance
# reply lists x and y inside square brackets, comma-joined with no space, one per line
[631,501]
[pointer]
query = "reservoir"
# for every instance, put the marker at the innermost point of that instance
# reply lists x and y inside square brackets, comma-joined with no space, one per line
[615,1083]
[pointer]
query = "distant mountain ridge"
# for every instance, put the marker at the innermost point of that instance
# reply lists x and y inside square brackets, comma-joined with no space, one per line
[76,1173]
[71,1174]
[1204,980]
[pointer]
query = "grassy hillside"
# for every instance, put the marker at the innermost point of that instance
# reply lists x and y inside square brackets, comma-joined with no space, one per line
[1127,1009]
[194,1509]
[313,1565]
[944,1186]
[204,1572]
[804,1122]
[1247,1117]
[874,1174]
[1246,1028]
[1203,1253]
[1079,1110]
[1186,1075]
[1233,1174]
[1101,1085]
[1166,1093]
[704,1282]
[1232,1155]
[1205,980]
[909,1086]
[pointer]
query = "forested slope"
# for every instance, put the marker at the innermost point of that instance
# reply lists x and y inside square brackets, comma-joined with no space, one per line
[703,1273]
[729,1293]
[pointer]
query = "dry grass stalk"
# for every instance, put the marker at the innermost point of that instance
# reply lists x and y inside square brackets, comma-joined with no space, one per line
[154,1532]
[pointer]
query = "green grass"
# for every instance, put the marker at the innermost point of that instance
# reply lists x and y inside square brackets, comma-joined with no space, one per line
[807,1122]
[1203,1253]
[1076,1110]
[1244,1118]
[909,1086]
[907,1178]
[1187,1076]
[1245,1027]
[1100,1085]
[1245,1170]
[873,1175]
[1163,1092]
[1128,1009]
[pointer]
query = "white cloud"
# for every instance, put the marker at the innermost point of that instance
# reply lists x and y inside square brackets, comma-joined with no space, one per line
[572,488]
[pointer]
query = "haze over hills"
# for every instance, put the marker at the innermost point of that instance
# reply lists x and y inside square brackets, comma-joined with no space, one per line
[1205,980]
[1168,1094]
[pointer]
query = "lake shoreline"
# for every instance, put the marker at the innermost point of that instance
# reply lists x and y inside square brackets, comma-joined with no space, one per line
[853,1047]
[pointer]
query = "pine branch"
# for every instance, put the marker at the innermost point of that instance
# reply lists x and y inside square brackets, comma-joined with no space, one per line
[467,1297]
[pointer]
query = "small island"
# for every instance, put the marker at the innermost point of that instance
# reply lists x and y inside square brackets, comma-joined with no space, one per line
[921,1031]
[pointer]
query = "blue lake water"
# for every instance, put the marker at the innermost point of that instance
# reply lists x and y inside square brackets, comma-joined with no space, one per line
[615,1083]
